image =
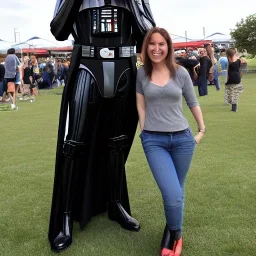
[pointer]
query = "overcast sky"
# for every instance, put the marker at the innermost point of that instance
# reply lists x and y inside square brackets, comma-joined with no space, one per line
[32,18]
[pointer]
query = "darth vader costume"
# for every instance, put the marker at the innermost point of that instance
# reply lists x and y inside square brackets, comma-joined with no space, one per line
[98,117]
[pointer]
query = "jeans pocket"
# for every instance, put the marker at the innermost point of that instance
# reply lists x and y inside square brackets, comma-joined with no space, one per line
[191,135]
[143,135]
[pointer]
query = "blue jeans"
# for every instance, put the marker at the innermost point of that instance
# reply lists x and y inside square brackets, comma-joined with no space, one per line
[224,73]
[224,66]
[202,86]
[169,156]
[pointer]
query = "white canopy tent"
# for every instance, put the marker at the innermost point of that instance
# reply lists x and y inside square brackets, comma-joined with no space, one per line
[219,38]
[35,42]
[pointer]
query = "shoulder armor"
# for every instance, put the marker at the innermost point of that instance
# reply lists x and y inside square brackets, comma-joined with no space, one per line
[64,17]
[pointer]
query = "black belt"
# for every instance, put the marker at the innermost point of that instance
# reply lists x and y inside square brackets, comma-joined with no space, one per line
[108,52]
[167,133]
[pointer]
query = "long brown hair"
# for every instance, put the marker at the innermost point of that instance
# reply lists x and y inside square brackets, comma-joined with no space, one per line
[170,63]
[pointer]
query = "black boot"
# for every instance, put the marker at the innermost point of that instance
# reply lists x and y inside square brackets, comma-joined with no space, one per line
[63,227]
[169,238]
[116,211]
[64,239]
[234,107]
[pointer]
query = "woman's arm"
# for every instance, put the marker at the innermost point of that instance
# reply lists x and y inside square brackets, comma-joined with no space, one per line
[211,70]
[22,72]
[140,100]
[195,74]
[197,113]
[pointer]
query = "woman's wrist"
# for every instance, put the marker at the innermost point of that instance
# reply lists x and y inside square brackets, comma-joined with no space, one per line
[202,130]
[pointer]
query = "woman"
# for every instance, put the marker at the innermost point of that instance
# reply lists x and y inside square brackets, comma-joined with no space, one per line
[167,140]
[35,71]
[27,79]
[233,85]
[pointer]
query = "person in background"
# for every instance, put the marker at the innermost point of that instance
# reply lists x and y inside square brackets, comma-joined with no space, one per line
[234,86]
[50,70]
[65,71]
[223,60]
[189,63]
[34,65]
[139,62]
[214,68]
[4,96]
[11,68]
[189,52]
[47,82]
[27,80]
[41,66]
[166,137]
[60,72]
[2,72]
[203,74]
[35,71]
[18,80]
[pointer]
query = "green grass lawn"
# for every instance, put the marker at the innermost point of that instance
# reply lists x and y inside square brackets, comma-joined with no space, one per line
[251,63]
[220,192]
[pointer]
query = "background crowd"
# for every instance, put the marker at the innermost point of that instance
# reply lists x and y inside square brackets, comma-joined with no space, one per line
[203,66]
[21,78]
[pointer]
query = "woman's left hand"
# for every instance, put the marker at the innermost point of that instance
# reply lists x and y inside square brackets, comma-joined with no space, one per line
[199,137]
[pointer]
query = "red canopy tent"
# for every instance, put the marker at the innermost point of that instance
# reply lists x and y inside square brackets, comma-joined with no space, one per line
[37,51]
[61,49]
[193,44]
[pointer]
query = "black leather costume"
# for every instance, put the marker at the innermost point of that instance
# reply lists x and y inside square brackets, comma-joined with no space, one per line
[98,116]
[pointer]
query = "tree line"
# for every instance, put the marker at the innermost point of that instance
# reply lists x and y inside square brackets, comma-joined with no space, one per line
[245,34]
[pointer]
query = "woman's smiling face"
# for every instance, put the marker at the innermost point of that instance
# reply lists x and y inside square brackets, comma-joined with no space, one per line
[157,49]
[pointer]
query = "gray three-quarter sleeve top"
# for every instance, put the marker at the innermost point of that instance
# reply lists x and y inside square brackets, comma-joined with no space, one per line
[164,103]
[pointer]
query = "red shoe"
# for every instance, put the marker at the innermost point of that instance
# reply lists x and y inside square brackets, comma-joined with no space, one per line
[177,247]
[167,252]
